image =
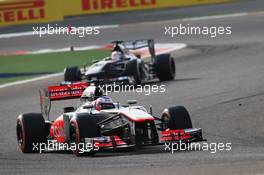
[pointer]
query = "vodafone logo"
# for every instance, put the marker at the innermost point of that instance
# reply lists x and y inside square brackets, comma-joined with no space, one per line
[115,4]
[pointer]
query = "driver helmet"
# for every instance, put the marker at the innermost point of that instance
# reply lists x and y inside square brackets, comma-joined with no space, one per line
[91,93]
[116,55]
[104,102]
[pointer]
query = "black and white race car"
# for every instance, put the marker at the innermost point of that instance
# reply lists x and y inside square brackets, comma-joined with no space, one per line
[126,67]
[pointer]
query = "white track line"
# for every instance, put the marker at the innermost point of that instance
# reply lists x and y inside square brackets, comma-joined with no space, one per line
[31,33]
[13,35]
[215,17]
[231,15]
[172,46]
[30,80]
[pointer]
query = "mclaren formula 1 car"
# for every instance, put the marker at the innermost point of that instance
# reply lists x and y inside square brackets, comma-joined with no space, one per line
[130,68]
[111,128]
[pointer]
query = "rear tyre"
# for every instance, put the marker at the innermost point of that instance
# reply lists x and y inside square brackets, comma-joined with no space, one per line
[176,118]
[72,74]
[83,126]
[30,130]
[165,67]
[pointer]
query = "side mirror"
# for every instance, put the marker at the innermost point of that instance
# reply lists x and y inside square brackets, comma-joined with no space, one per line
[132,102]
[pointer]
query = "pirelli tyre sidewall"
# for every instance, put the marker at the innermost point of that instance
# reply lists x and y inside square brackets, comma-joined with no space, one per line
[31,130]
[176,117]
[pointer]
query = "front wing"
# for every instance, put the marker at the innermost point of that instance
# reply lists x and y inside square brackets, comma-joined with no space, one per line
[115,143]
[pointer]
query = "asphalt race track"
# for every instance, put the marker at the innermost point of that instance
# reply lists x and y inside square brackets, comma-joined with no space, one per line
[220,80]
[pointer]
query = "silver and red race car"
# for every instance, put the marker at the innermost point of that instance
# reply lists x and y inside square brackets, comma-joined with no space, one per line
[88,129]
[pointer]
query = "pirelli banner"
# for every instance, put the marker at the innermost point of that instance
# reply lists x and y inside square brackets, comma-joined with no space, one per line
[76,7]
[13,12]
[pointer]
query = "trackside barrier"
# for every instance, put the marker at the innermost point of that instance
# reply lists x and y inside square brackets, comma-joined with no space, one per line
[80,7]
[13,12]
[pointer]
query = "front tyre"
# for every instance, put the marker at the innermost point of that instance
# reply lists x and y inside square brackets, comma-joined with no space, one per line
[176,117]
[83,126]
[135,69]
[30,130]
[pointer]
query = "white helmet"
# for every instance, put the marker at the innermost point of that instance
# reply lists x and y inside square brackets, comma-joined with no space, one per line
[116,55]
[91,93]
[104,102]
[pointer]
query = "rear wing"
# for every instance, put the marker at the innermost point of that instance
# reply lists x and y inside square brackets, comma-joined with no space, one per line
[138,44]
[59,92]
